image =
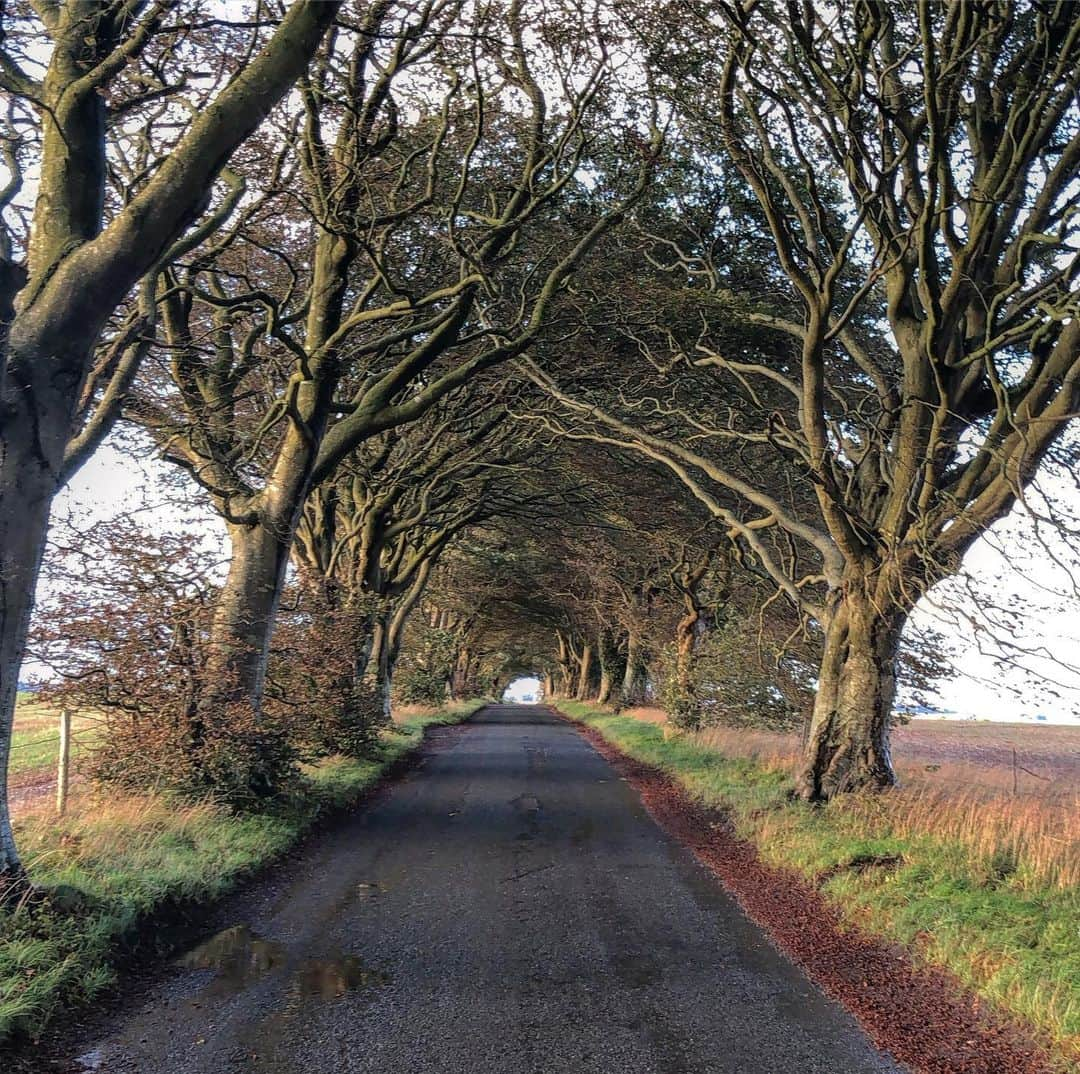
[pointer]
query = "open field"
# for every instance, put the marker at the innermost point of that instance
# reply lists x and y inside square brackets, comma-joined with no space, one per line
[1042,760]
[954,864]
[35,748]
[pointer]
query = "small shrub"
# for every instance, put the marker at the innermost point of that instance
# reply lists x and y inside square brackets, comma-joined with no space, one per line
[130,646]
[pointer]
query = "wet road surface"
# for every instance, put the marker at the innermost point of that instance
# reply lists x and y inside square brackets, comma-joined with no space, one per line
[509,906]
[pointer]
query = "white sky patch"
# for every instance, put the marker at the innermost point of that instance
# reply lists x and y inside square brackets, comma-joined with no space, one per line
[523,691]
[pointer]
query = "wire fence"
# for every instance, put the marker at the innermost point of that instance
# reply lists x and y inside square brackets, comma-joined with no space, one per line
[53,774]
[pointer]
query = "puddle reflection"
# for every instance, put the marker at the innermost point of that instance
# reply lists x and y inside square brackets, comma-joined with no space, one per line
[240,957]
[330,978]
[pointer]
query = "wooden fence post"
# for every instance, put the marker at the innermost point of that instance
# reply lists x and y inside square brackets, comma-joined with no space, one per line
[65,758]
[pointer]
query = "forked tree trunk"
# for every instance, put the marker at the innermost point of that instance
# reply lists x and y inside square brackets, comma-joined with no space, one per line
[847,748]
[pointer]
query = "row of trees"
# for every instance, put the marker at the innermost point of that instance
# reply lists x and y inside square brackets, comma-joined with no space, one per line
[363,215]
[533,337]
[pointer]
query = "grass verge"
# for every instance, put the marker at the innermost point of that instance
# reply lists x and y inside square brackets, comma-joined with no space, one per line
[1001,924]
[113,865]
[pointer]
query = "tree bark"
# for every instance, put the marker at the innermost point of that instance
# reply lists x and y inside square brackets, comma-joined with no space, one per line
[607,668]
[381,665]
[633,683]
[688,634]
[565,660]
[847,748]
[459,679]
[244,615]
[603,694]
[685,641]
[584,672]
[27,486]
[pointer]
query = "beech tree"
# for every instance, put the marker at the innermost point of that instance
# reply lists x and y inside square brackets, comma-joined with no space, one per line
[913,167]
[87,79]
[415,225]
[369,538]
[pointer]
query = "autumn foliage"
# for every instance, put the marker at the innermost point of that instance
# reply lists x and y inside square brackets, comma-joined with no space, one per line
[132,646]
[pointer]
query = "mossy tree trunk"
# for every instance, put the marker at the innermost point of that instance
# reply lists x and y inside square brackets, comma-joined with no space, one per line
[634,681]
[847,747]
[608,667]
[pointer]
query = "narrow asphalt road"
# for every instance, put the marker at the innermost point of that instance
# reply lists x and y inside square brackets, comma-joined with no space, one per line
[507,907]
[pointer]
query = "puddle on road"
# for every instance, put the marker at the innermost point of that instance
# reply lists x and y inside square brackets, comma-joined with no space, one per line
[237,954]
[330,978]
[240,958]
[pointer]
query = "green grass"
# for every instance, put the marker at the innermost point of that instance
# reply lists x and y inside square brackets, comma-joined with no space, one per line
[113,864]
[35,741]
[1013,940]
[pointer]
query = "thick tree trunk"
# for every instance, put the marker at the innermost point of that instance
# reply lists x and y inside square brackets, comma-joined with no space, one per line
[603,694]
[381,665]
[685,643]
[395,632]
[607,668]
[847,748]
[633,683]
[244,615]
[691,629]
[27,487]
[387,661]
[584,672]
[459,677]
[564,686]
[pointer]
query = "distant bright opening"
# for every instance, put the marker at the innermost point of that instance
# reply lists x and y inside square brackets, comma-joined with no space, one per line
[524,691]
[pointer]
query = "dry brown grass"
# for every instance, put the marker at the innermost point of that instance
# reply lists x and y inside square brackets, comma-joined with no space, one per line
[403,713]
[959,782]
